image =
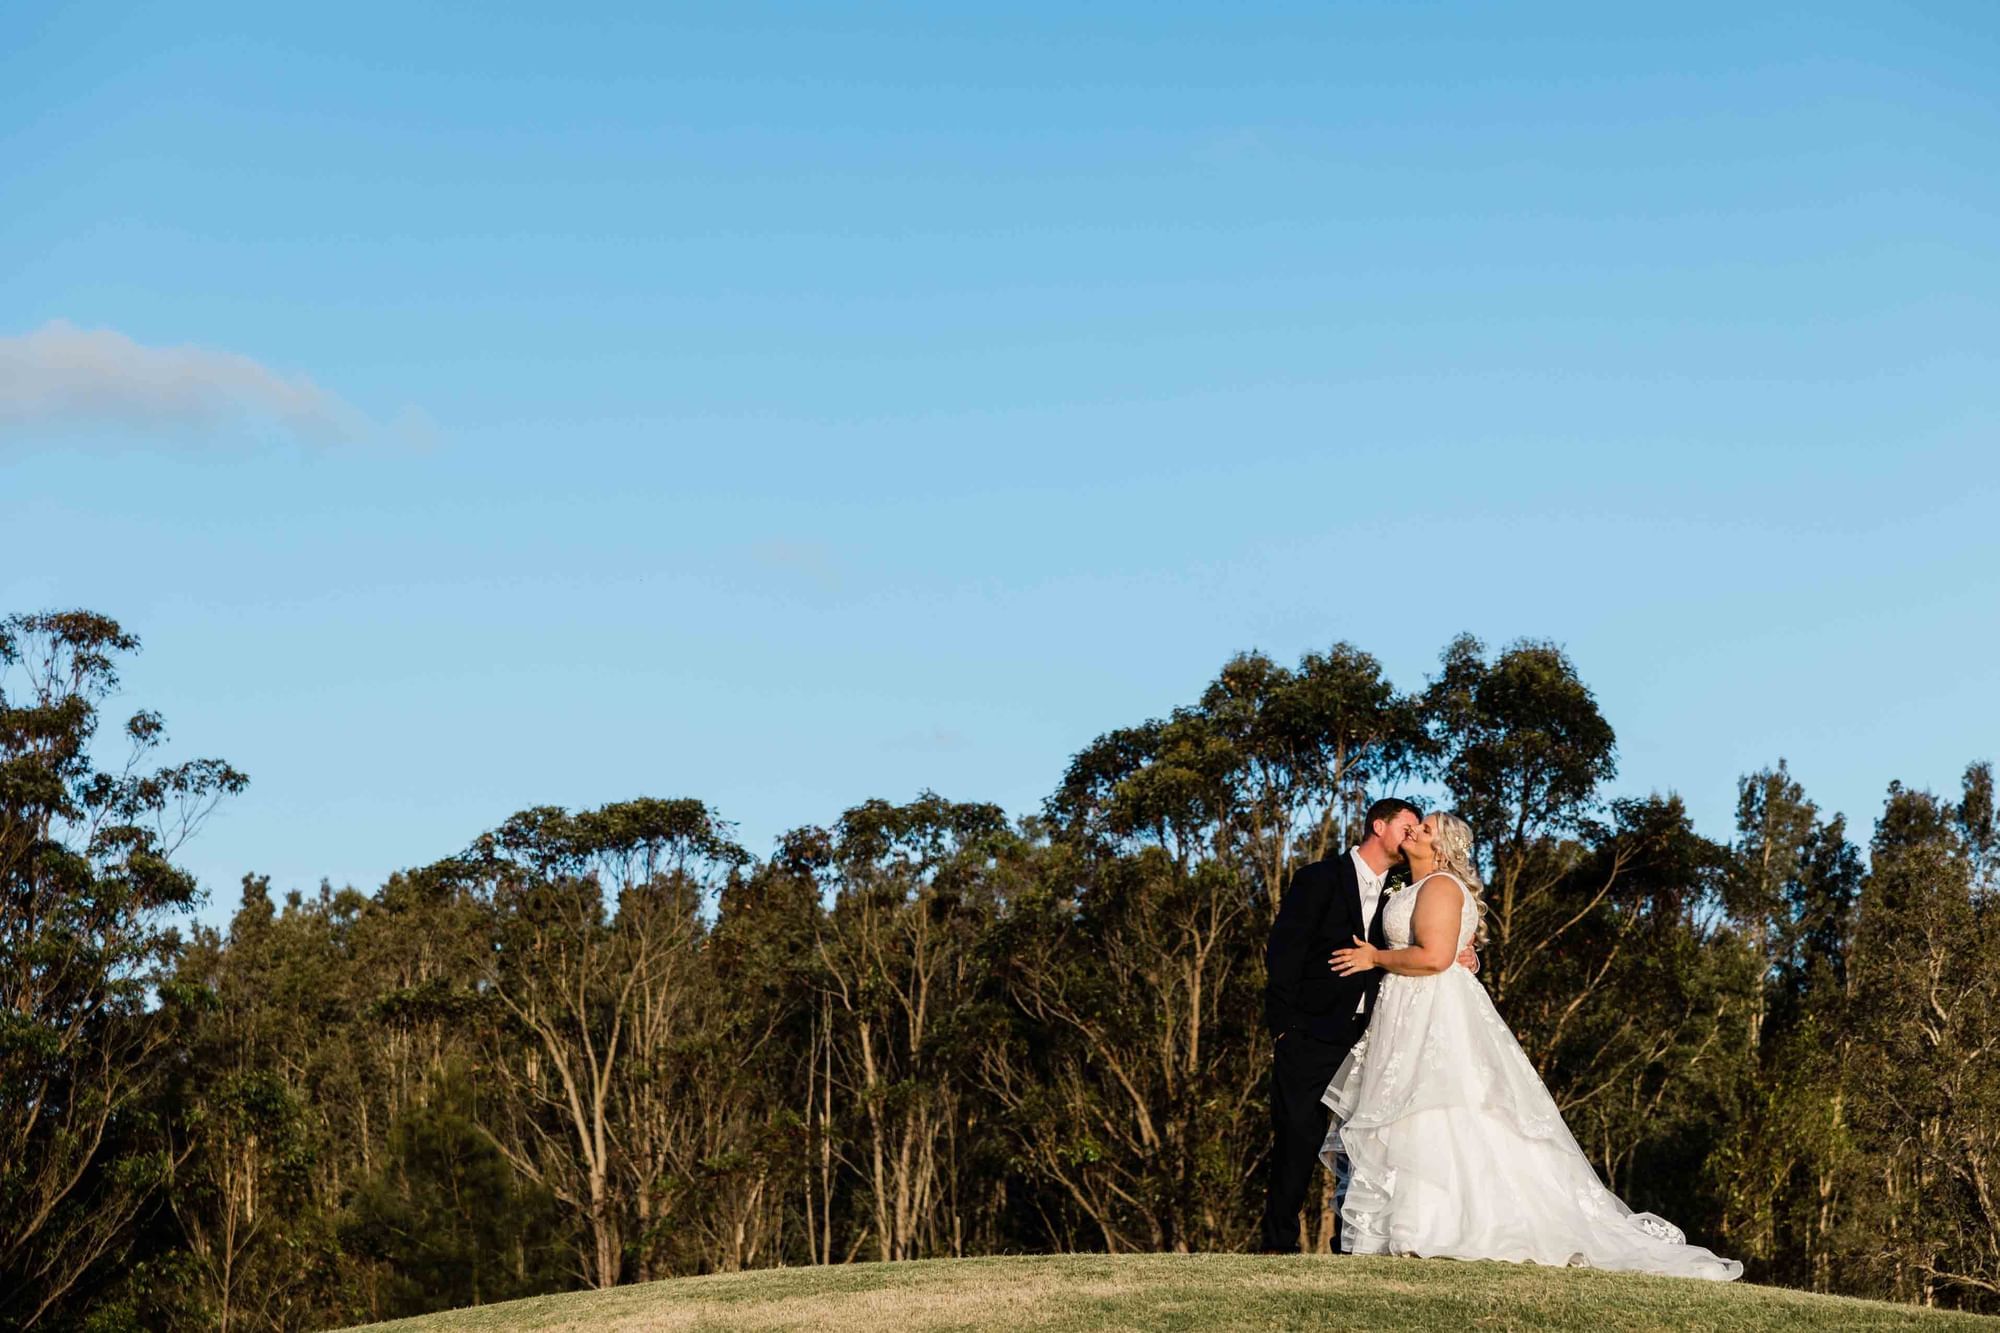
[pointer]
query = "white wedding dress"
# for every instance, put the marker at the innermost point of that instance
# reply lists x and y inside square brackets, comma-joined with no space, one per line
[1455,1148]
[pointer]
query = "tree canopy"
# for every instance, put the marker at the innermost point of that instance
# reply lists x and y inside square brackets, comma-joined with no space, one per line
[605,1045]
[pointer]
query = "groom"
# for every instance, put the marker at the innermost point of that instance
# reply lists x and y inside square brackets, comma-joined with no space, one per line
[1316,1016]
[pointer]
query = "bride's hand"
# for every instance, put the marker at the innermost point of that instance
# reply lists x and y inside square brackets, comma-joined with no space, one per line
[1346,962]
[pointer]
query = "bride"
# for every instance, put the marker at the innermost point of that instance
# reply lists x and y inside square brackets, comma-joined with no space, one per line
[1454,1146]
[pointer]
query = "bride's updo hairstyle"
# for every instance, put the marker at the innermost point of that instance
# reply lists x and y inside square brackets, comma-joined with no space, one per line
[1454,853]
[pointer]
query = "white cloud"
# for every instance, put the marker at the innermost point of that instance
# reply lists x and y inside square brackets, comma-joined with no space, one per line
[61,377]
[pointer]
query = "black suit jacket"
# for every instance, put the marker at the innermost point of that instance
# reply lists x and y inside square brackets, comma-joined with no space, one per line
[1320,912]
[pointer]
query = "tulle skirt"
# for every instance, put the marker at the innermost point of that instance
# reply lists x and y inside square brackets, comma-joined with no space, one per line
[1455,1149]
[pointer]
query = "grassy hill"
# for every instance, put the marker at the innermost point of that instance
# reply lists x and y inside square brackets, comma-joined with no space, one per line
[1072,1293]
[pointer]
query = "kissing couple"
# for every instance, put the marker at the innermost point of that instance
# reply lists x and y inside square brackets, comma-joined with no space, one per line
[1390,1058]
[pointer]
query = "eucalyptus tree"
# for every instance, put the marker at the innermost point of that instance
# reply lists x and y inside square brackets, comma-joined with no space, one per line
[595,966]
[1792,885]
[1979,828]
[1520,744]
[1138,975]
[1774,827]
[910,892]
[1176,838]
[779,1192]
[1129,1081]
[1785,1155]
[418,950]
[770,934]
[88,1006]
[1306,748]
[1923,1075]
[254,1107]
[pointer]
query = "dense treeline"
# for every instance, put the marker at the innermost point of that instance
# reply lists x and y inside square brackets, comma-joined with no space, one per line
[609,1046]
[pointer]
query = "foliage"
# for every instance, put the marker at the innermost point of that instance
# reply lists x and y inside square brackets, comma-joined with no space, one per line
[88,892]
[598,1047]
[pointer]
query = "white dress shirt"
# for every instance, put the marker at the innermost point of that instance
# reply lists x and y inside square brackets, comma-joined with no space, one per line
[1371,890]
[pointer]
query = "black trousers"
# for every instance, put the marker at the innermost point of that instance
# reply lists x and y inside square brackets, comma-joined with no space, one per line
[1300,1071]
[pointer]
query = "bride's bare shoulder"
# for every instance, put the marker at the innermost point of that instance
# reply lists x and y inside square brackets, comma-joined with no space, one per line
[1441,882]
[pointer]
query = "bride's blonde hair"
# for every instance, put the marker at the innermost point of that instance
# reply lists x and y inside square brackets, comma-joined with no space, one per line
[1454,853]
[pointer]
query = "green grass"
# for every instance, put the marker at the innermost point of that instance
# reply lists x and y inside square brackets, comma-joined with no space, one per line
[1071,1293]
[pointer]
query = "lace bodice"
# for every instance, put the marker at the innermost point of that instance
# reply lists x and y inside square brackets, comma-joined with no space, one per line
[1401,908]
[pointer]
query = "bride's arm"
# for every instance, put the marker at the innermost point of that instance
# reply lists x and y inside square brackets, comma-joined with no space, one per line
[1435,923]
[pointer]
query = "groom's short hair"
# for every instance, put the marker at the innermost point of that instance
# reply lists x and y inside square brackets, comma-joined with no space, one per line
[1385,809]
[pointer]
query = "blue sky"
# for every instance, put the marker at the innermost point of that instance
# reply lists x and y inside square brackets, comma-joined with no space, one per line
[481,406]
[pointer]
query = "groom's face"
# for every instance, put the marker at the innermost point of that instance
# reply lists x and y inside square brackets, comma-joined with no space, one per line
[1397,831]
